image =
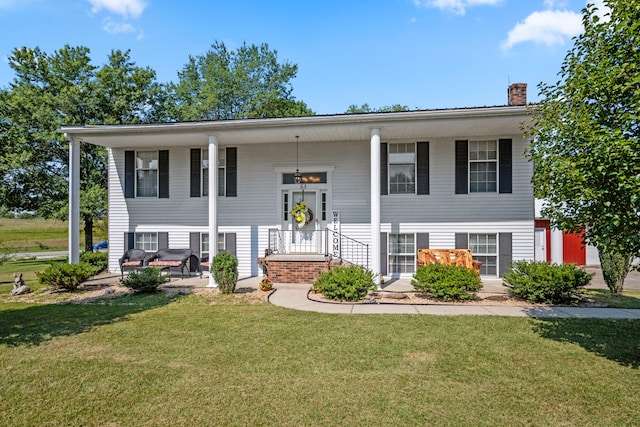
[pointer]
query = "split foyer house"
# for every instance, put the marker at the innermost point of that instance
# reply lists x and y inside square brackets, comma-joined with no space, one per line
[376,187]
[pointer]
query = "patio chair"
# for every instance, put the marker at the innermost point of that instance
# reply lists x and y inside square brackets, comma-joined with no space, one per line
[132,259]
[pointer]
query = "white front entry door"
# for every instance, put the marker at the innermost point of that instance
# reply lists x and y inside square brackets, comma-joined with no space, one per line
[305,237]
[540,244]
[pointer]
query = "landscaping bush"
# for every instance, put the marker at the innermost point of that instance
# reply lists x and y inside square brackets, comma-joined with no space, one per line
[224,268]
[539,282]
[65,276]
[447,282]
[345,283]
[145,280]
[99,260]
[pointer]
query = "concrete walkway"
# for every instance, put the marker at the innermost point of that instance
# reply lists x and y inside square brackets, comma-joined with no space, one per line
[295,297]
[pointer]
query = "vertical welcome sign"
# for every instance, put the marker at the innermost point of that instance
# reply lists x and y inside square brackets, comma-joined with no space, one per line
[336,250]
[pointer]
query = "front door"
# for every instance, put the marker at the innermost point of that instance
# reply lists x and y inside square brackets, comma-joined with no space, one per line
[304,238]
[304,227]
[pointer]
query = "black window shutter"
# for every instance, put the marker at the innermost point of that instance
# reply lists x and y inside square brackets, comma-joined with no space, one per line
[505,163]
[194,243]
[462,241]
[163,240]
[195,172]
[129,174]
[422,241]
[232,172]
[383,254]
[504,256]
[129,241]
[423,167]
[230,243]
[462,167]
[163,174]
[384,169]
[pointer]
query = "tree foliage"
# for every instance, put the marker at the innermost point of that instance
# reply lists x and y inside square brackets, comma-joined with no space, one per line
[249,82]
[366,108]
[586,136]
[64,88]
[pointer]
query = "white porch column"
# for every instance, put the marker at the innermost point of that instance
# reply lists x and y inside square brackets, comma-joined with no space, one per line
[213,203]
[556,246]
[375,204]
[74,201]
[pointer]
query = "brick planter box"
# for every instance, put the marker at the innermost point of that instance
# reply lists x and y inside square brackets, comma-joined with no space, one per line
[303,269]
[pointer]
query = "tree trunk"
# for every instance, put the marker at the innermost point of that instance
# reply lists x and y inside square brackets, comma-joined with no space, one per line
[88,234]
[615,267]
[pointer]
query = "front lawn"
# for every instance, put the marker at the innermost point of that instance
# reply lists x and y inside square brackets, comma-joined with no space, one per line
[186,361]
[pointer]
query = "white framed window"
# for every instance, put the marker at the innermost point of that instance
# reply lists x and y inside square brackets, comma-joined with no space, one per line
[204,245]
[147,174]
[483,166]
[148,242]
[222,173]
[402,253]
[205,173]
[221,246]
[402,168]
[285,206]
[484,248]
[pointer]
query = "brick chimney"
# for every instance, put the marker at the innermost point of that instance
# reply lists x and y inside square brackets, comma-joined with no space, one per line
[517,94]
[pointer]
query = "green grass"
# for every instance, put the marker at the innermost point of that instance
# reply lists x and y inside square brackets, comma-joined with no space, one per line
[630,298]
[34,235]
[153,360]
[28,267]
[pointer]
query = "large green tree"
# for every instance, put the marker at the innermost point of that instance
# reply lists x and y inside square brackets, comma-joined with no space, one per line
[64,88]
[249,82]
[586,139]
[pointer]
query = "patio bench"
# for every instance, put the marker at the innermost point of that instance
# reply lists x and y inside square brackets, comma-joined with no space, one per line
[173,258]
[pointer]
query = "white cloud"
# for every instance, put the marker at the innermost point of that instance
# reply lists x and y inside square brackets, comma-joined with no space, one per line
[125,8]
[547,27]
[117,27]
[551,27]
[456,6]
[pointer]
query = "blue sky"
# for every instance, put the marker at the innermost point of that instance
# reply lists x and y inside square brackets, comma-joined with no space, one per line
[420,53]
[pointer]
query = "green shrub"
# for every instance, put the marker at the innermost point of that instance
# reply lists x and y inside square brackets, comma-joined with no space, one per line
[99,260]
[145,280]
[65,276]
[224,268]
[447,282]
[345,283]
[539,282]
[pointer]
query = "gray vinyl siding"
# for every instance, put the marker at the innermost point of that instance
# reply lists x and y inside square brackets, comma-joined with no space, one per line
[443,205]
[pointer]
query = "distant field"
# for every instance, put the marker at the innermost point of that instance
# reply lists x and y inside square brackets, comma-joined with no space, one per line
[36,235]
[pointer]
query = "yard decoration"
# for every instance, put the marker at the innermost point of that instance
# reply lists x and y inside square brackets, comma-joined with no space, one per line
[266,284]
[301,214]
